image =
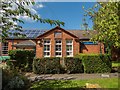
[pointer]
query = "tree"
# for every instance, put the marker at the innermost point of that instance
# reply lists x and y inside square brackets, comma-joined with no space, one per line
[9,16]
[105,16]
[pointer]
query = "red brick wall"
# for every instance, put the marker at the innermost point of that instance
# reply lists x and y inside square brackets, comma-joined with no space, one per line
[92,49]
[39,48]
[10,42]
[64,36]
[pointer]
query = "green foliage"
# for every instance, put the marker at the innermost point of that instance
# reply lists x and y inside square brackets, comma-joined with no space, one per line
[105,16]
[73,65]
[23,58]
[9,12]
[12,80]
[96,63]
[46,65]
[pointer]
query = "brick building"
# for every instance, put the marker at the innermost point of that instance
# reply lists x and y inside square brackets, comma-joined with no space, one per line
[56,42]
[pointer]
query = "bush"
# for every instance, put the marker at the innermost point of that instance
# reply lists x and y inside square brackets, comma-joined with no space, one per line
[23,58]
[46,65]
[96,63]
[12,80]
[73,65]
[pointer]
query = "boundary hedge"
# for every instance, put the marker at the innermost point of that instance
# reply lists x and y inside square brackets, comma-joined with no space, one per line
[96,63]
[46,65]
[73,65]
[23,58]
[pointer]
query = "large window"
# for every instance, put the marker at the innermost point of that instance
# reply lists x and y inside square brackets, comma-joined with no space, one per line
[47,48]
[69,48]
[5,48]
[58,48]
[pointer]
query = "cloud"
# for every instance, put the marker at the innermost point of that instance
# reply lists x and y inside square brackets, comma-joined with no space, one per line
[33,10]
[39,6]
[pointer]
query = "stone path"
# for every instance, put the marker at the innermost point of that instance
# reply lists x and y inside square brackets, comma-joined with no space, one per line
[35,77]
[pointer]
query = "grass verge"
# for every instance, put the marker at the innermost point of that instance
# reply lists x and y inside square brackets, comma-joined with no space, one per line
[103,82]
[114,64]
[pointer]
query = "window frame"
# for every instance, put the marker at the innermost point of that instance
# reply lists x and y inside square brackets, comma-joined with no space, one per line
[58,50]
[4,46]
[69,51]
[47,51]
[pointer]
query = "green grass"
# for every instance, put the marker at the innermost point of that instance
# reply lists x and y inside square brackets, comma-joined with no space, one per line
[103,82]
[115,64]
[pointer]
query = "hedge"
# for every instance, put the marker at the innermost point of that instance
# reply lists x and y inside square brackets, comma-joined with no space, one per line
[46,65]
[73,65]
[23,58]
[96,63]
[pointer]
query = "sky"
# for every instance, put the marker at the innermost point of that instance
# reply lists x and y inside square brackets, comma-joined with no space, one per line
[71,13]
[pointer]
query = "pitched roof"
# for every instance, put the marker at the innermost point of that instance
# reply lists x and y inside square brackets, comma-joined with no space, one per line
[59,29]
[33,34]
[83,34]
[26,43]
[29,34]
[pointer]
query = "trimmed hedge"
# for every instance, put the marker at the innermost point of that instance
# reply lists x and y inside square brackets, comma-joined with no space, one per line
[73,65]
[23,58]
[96,63]
[46,65]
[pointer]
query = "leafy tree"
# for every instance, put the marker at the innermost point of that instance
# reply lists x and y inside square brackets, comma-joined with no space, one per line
[9,16]
[105,16]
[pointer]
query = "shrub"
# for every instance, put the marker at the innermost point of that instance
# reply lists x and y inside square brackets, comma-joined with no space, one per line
[12,80]
[24,58]
[73,65]
[96,63]
[46,65]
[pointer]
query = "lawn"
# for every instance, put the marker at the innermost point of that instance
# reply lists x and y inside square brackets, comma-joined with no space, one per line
[103,82]
[115,64]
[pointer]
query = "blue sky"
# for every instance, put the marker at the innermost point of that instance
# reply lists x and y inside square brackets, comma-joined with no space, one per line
[69,12]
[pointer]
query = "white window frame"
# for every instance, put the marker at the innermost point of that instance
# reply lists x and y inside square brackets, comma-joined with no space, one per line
[3,48]
[60,50]
[68,51]
[46,51]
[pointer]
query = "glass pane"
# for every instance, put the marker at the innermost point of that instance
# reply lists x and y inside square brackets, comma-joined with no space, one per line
[58,41]
[4,52]
[46,53]
[69,42]
[69,53]
[46,47]
[58,48]
[58,53]
[46,41]
[68,47]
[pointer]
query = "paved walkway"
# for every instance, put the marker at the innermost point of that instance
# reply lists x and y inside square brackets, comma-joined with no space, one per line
[35,77]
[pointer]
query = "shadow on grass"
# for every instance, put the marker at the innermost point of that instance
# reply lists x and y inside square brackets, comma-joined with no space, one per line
[55,85]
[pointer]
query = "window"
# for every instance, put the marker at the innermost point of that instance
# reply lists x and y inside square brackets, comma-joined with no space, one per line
[58,48]
[57,34]
[69,48]
[5,48]
[46,48]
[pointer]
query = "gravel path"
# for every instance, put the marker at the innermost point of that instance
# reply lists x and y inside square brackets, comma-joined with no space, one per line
[35,77]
